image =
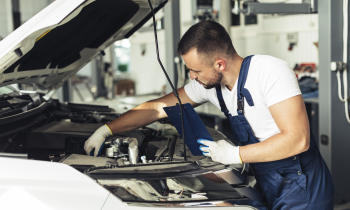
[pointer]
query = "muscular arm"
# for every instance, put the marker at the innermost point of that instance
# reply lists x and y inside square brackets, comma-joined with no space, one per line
[147,112]
[294,138]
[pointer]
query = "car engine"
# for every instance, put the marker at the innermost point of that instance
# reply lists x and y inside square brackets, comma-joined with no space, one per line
[53,131]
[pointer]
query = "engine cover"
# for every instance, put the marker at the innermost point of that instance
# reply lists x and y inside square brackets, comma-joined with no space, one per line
[54,134]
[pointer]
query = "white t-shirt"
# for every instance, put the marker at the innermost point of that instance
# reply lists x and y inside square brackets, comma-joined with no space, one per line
[269,81]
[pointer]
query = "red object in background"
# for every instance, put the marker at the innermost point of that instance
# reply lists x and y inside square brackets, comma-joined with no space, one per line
[303,66]
[291,45]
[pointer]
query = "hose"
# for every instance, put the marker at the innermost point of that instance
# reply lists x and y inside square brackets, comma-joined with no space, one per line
[345,57]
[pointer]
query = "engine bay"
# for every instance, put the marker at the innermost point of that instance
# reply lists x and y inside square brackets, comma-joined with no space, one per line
[52,131]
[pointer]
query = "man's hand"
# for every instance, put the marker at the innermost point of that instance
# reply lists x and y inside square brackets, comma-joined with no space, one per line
[220,151]
[96,140]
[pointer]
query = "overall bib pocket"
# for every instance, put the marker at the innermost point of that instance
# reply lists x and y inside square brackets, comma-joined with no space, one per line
[239,132]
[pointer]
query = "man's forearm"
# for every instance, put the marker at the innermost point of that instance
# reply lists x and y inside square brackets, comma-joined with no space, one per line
[139,116]
[147,112]
[277,147]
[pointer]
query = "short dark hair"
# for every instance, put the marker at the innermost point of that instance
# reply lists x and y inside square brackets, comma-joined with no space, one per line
[210,39]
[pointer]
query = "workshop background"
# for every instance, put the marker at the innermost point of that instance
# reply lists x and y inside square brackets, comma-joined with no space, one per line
[128,72]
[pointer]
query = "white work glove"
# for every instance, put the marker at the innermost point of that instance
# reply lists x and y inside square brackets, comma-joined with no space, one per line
[97,139]
[220,151]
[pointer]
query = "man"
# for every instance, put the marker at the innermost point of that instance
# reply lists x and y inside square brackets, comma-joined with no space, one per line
[261,98]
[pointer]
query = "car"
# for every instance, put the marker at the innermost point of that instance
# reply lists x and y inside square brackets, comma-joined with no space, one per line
[42,157]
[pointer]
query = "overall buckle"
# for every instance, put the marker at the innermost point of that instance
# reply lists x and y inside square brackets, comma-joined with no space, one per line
[240,104]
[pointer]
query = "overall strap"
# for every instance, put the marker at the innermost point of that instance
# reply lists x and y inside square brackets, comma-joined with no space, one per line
[241,91]
[221,101]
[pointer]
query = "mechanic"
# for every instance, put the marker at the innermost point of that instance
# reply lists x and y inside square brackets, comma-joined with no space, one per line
[261,98]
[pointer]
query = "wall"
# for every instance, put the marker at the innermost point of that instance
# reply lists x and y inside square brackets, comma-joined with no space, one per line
[185,15]
[6,25]
[29,8]
[145,69]
[270,37]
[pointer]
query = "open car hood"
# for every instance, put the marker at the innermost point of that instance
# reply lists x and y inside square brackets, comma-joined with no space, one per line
[58,41]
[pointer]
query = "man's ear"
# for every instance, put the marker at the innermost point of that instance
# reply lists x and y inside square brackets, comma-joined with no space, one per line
[220,64]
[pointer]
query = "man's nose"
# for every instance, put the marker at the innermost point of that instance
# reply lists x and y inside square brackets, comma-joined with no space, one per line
[192,75]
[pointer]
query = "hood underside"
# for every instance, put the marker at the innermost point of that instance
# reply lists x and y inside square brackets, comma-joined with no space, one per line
[57,42]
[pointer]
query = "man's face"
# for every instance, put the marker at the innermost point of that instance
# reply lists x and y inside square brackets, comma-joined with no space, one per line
[204,75]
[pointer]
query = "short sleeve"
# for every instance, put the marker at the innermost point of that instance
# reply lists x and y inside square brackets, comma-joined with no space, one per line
[277,81]
[196,92]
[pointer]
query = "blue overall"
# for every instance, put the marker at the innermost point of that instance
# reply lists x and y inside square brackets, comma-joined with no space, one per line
[299,182]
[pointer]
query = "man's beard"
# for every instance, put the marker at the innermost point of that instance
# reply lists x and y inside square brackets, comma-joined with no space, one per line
[214,81]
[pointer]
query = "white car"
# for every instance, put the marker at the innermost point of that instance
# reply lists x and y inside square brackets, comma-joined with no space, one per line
[42,158]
